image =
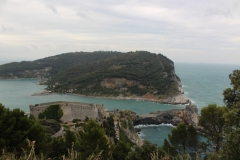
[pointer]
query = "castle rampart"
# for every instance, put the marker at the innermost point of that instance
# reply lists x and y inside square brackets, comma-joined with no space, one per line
[72,110]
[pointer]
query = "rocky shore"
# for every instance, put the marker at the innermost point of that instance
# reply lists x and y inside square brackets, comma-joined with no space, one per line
[189,115]
[178,99]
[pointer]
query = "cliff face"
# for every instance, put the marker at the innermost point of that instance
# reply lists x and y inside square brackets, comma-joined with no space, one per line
[189,115]
[121,84]
[178,99]
[124,123]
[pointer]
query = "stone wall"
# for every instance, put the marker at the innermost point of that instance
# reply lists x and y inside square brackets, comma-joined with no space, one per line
[72,110]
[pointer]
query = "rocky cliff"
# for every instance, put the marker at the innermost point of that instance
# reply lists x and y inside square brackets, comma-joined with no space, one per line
[189,115]
[124,123]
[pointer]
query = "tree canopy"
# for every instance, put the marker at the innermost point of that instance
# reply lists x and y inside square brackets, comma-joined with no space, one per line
[184,138]
[16,127]
[213,121]
[93,140]
[231,145]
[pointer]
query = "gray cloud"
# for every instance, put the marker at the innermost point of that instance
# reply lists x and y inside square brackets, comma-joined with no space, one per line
[7,29]
[52,8]
[82,14]
[218,12]
[193,31]
[4,28]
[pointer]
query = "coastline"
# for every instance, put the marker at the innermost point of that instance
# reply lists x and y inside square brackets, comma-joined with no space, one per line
[179,99]
[19,79]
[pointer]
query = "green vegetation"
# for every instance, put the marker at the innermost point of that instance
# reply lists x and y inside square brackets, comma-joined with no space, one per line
[76,120]
[58,63]
[109,127]
[52,112]
[212,119]
[142,67]
[184,139]
[16,127]
[83,72]
[124,138]
[231,146]
[51,126]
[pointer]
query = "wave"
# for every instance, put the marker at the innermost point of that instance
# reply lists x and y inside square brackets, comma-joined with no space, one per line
[193,102]
[184,86]
[140,134]
[186,93]
[152,125]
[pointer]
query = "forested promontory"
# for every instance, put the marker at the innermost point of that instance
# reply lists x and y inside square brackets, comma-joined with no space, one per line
[139,74]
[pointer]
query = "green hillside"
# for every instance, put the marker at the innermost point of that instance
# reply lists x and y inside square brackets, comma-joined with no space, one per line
[58,63]
[133,73]
[101,73]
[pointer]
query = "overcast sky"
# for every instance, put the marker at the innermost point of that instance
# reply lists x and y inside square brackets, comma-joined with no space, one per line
[204,31]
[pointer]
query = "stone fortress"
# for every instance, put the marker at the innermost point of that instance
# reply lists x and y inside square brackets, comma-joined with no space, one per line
[79,110]
[72,110]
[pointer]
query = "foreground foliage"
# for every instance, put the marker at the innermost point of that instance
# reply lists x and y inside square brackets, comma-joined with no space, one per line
[213,121]
[15,128]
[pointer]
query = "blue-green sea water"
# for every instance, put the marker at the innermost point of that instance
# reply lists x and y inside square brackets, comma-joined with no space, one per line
[202,83]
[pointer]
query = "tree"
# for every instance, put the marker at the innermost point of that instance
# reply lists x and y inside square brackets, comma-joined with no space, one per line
[232,100]
[70,138]
[121,151]
[93,140]
[170,150]
[58,148]
[232,95]
[231,146]
[52,112]
[213,121]
[109,127]
[184,138]
[15,128]
[144,152]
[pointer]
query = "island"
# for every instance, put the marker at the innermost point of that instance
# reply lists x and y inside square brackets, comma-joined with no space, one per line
[138,75]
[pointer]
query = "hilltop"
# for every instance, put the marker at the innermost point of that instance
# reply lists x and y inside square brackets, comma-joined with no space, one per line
[133,75]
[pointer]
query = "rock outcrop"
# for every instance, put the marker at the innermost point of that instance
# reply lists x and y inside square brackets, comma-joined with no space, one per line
[189,115]
[178,99]
[79,111]
[124,123]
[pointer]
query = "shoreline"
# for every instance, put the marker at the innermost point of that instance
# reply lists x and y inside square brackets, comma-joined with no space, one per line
[169,100]
[19,79]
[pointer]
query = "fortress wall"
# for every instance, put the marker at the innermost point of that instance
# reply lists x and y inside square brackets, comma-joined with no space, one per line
[35,110]
[72,110]
[67,114]
[101,110]
[78,111]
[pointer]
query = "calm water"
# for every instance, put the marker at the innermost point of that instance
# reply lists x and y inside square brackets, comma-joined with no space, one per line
[202,83]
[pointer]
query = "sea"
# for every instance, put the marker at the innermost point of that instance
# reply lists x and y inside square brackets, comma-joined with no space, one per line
[203,84]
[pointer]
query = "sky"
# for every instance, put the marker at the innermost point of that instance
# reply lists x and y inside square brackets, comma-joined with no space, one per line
[206,31]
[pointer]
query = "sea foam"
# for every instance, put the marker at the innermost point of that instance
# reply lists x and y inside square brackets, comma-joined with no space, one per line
[152,125]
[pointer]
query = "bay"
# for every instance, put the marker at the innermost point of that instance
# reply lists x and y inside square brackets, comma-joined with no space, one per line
[202,83]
